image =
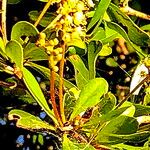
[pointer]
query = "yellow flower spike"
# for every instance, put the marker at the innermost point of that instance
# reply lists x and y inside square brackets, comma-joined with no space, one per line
[58,57]
[68,20]
[79,18]
[55,68]
[59,49]
[56,41]
[55,52]
[147,61]
[90,3]
[67,37]
[51,42]
[49,49]
[80,6]
[42,35]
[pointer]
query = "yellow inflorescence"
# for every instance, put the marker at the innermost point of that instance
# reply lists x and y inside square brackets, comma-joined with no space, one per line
[71,24]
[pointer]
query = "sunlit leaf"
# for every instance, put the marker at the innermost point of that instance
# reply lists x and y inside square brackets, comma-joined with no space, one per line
[136,35]
[23,29]
[93,50]
[46,73]
[111,62]
[36,92]
[13,49]
[105,51]
[99,13]
[81,72]
[28,121]
[90,95]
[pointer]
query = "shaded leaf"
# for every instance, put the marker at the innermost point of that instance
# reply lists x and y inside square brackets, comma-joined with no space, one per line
[28,121]
[107,103]
[48,17]
[13,1]
[90,95]
[36,92]
[34,53]
[111,62]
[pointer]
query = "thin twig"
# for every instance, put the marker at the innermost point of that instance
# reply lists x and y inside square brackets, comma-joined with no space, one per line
[3,21]
[126,98]
[43,12]
[133,12]
[61,71]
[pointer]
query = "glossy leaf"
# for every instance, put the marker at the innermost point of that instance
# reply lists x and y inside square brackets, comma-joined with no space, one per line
[99,13]
[36,92]
[2,48]
[28,121]
[23,29]
[93,50]
[136,35]
[14,51]
[90,95]
[81,72]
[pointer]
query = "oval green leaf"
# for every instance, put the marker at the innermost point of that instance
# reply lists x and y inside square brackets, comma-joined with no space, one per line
[14,51]
[90,95]
[23,29]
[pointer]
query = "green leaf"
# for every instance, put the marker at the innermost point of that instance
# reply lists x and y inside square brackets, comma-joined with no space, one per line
[111,62]
[13,1]
[46,73]
[34,53]
[23,29]
[48,17]
[77,41]
[127,147]
[121,31]
[97,118]
[107,103]
[93,51]
[69,145]
[99,13]
[117,138]
[28,121]
[141,110]
[36,92]
[13,49]
[2,48]
[105,51]
[136,35]
[90,95]
[120,125]
[81,72]
[146,27]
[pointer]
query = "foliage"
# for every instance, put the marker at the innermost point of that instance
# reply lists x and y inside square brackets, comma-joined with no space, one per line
[85,113]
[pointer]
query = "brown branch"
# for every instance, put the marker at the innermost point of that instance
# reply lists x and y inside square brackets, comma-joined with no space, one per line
[52,96]
[61,71]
